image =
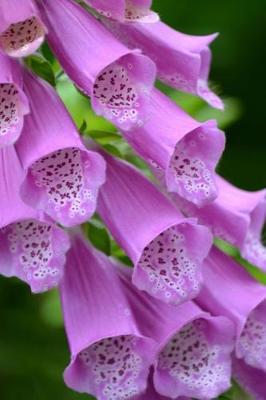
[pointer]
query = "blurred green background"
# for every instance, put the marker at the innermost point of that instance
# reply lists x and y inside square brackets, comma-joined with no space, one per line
[33,348]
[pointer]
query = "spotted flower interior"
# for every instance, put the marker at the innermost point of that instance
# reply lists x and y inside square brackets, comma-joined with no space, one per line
[252,343]
[192,165]
[34,252]
[194,363]
[11,113]
[167,267]
[121,91]
[114,367]
[61,184]
[23,38]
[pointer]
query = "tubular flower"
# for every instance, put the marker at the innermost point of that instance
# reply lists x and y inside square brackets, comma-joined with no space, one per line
[242,299]
[182,152]
[193,357]
[31,248]
[166,249]
[125,10]
[110,358]
[237,216]
[13,102]
[62,177]
[252,380]
[118,80]
[186,60]
[21,29]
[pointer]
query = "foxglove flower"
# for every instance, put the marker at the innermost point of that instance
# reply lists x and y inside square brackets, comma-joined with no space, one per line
[13,102]
[110,358]
[193,357]
[252,380]
[237,216]
[125,10]
[241,299]
[21,28]
[118,80]
[186,59]
[182,152]
[31,248]
[166,249]
[62,177]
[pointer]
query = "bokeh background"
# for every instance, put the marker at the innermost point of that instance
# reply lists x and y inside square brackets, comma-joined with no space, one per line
[33,348]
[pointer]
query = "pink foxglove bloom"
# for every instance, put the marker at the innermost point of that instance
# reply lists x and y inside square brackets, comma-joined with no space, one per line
[125,10]
[62,177]
[237,216]
[166,249]
[13,102]
[183,61]
[229,290]
[21,28]
[252,380]
[181,151]
[193,357]
[31,248]
[110,358]
[117,79]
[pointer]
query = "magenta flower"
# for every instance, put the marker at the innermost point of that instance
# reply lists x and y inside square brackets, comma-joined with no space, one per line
[182,152]
[251,379]
[21,28]
[236,216]
[62,177]
[31,248]
[186,60]
[241,299]
[110,358]
[125,10]
[118,80]
[13,102]
[166,249]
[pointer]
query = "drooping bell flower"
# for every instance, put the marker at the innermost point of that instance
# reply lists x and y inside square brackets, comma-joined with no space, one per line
[13,102]
[237,216]
[166,249]
[117,79]
[125,10]
[182,152]
[62,176]
[193,357]
[183,61]
[110,358]
[229,290]
[31,248]
[21,29]
[252,380]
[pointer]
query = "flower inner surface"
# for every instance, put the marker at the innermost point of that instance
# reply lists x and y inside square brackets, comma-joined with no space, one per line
[114,367]
[9,108]
[22,38]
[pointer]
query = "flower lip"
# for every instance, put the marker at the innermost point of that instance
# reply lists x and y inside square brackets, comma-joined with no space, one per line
[121,91]
[195,361]
[23,38]
[64,184]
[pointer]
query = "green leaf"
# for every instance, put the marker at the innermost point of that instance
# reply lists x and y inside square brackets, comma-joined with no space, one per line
[99,236]
[41,67]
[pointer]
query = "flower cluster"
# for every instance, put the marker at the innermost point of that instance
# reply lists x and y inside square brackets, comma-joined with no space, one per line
[186,318]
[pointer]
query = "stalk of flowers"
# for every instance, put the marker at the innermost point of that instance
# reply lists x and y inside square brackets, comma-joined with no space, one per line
[125,10]
[32,247]
[118,80]
[166,249]
[13,102]
[236,216]
[186,60]
[243,300]
[183,153]
[62,177]
[22,30]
